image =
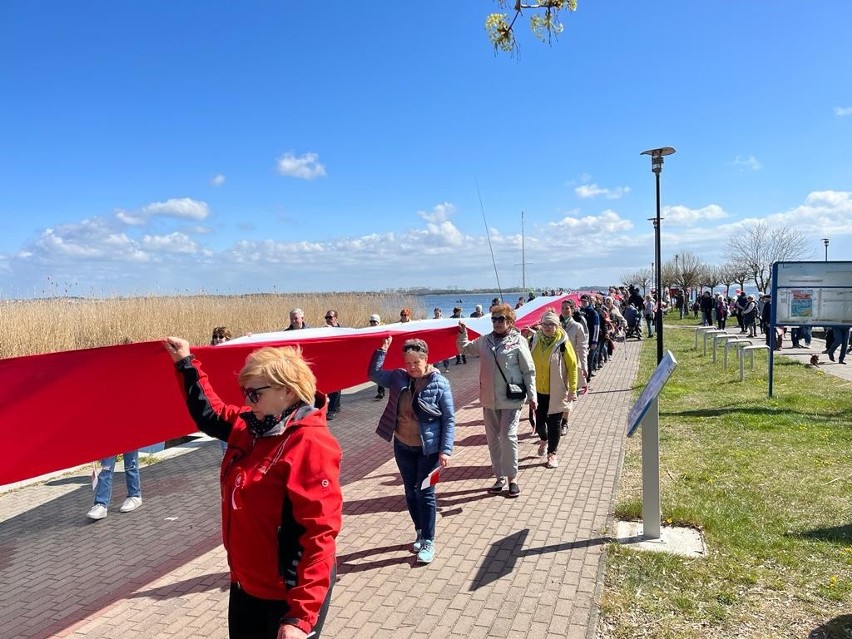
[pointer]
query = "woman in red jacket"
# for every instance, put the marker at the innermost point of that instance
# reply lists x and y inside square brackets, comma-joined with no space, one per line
[281,498]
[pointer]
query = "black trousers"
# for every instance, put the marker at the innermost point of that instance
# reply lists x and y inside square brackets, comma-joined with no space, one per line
[254,618]
[548,427]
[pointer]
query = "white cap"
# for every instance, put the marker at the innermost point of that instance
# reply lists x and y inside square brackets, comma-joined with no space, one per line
[375,318]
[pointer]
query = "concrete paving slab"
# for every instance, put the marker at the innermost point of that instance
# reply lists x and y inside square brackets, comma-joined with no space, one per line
[674,540]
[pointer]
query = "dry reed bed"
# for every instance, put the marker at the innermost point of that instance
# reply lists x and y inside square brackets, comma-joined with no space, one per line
[59,324]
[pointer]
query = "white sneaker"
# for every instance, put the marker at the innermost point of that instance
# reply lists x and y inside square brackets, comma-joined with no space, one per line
[130,504]
[98,511]
[552,462]
[542,448]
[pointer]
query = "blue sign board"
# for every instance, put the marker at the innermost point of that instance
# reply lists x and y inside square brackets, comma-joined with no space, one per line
[652,391]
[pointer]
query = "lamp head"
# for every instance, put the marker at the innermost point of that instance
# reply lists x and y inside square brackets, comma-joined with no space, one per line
[657,156]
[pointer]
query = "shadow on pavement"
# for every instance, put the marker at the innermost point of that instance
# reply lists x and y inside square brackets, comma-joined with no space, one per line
[204,583]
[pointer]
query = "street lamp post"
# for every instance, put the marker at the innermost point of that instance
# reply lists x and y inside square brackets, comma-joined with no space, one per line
[825,241]
[657,156]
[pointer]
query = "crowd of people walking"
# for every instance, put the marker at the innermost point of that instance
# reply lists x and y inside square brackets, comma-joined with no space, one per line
[281,498]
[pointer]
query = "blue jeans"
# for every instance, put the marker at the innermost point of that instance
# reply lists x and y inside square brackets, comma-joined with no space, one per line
[414,466]
[103,491]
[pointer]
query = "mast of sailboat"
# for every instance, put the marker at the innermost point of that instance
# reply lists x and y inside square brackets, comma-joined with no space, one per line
[523,257]
[488,237]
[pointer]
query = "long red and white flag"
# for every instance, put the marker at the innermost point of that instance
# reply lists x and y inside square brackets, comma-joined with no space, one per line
[60,410]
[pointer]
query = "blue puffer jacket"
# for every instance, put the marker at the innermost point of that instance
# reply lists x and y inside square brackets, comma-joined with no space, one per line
[434,406]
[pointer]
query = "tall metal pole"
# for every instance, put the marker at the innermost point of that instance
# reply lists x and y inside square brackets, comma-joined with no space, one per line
[825,241]
[523,257]
[658,313]
[657,156]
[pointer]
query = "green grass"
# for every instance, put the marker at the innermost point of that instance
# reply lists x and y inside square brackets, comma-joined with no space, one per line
[766,480]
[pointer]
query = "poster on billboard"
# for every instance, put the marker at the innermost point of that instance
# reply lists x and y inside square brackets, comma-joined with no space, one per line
[812,293]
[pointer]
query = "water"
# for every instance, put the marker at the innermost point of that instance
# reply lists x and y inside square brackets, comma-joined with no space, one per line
[467,301]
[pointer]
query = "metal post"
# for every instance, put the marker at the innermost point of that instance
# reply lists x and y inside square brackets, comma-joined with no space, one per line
[657,156]
[651,512]
[658,316]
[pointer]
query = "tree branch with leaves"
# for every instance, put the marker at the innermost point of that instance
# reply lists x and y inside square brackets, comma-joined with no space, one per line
[545,22]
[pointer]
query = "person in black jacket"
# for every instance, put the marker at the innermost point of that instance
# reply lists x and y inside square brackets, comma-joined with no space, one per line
[593,322]
[707,303]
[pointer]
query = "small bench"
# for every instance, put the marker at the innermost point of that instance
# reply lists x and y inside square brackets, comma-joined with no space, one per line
[750,350]
[735,343]
[711,333]
[702,329]
[720,337]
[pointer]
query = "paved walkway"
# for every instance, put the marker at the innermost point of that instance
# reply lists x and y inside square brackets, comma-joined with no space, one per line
[504,568]
[529,567]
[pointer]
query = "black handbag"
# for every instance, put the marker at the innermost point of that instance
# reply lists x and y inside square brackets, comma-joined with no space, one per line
[513,391]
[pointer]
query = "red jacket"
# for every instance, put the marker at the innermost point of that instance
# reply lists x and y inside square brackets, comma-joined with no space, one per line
[281,499]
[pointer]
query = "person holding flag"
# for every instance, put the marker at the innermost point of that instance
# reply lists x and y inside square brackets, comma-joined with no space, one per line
[282,505]
[420,420]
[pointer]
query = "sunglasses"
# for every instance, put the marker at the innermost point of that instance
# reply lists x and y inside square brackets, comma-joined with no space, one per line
[329,317]
[413,347]
[549,325]
[499,318]
[252,394]
[373,322]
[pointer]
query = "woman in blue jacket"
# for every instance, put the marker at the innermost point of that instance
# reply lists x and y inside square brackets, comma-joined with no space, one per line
[420,420]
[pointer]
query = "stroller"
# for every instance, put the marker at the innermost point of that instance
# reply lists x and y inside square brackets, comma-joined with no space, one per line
[634,322]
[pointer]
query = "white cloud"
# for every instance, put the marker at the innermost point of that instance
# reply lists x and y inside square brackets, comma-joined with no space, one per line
[184,207]
[305,167]
[572,248]
[750,162]
[171,243]
[684,215]
[92,238]
[590,225]
[440,212]
[842,111]
[823,213]
[217,180]
[180,208]
[129,218]
[593,190]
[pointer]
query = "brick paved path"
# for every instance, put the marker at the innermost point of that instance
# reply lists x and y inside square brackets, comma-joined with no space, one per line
[503,568]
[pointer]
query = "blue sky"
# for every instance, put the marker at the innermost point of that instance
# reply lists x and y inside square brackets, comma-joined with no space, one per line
[161,147]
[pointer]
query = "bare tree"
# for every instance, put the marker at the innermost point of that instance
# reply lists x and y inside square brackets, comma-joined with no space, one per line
[690,266]
[545,21]
[643,277]
[710,277]
[727,276]
[670,274]
[759,245]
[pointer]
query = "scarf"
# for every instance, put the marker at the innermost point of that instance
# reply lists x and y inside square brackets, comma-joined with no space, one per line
[259,427]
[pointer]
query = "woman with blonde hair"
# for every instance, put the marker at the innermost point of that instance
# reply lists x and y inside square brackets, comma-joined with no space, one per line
[420,419]
[504,359]
[281,497]
[556,382]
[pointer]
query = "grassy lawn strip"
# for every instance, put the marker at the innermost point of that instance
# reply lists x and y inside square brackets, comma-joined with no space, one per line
[767,480]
